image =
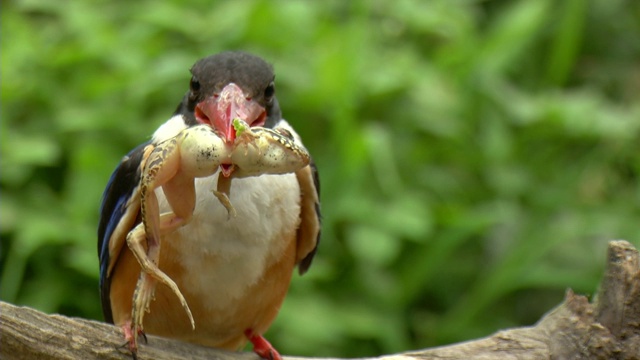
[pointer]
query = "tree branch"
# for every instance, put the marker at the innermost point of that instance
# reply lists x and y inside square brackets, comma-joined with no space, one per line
[608,329]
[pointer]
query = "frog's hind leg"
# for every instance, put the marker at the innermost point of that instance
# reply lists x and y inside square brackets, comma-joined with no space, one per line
[160,168]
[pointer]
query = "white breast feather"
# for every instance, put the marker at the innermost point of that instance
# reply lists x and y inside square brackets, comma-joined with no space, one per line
[169,129]
[235,251]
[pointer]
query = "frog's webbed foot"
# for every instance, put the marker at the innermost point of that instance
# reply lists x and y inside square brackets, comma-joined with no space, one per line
[150,274]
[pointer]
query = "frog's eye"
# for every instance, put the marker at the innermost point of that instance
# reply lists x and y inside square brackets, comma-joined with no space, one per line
[194,84]
[284,132]
[269,92]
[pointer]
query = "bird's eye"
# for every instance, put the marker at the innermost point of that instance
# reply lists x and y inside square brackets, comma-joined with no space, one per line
[269,91]
[195,84]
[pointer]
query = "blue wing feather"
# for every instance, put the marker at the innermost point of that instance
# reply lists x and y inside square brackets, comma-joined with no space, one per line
[119,189]
[305,263]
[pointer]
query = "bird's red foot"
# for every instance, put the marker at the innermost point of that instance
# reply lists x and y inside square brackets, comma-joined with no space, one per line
[262,347]
[131,342]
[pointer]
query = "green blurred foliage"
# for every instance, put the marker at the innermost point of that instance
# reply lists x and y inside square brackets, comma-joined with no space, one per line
[475,156]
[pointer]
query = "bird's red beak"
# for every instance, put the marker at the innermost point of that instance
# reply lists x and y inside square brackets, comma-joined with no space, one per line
[219,110]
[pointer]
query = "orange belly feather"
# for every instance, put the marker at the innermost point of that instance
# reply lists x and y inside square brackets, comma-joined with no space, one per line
[221,328]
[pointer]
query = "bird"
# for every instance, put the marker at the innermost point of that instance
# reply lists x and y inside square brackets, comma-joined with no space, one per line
[233,271]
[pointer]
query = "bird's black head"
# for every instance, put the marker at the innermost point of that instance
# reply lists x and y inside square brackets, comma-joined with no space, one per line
[231,85]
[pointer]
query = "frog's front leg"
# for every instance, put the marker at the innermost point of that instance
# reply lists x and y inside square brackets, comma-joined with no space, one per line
[172,165]
[223,191]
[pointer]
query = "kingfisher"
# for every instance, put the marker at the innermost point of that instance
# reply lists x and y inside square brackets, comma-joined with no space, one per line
[226,189]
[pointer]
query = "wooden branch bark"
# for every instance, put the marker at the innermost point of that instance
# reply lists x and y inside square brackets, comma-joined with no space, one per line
[607,329]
